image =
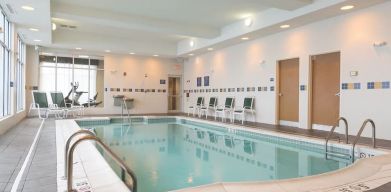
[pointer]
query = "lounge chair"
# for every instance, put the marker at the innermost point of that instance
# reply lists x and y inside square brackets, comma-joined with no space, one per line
[226,108]
[248,106]
[60,103]
[200,103]
[40,102]
[211,106]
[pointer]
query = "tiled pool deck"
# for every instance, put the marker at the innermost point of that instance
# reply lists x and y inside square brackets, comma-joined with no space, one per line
[41,171]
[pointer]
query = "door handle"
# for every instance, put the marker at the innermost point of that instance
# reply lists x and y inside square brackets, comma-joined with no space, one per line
[338,94]
[280,94]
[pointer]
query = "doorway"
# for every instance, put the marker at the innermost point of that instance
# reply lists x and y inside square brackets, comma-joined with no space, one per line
[325,89]
[288,92]
[174,94]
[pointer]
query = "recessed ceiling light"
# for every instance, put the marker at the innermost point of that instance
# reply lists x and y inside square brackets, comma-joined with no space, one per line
[37,40]
[28,8]
[132,53]
[245,38]
[191,43]
[284,26]
[84,56]
[78,48]
[156,55]
[191,54]
[33,29]
[248,22]
[107,51]
[210,49]
[54,26]
[347,7]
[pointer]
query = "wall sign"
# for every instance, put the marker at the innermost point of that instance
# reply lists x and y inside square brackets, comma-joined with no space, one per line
[162,81]
[206,81]
[199,81]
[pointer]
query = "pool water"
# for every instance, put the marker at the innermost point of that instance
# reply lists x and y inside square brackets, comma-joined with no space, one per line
[171,155]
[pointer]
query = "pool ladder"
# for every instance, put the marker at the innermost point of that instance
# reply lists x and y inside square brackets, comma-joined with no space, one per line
[88,135]
[124,106]
[358,136]
[331,134]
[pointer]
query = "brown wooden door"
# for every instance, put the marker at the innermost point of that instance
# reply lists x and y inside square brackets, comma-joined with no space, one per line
[289,90]
[325,88]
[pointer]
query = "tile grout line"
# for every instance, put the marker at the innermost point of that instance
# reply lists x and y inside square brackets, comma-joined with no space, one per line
[20,174]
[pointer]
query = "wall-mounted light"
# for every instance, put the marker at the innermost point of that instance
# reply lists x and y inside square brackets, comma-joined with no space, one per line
[347,7]
[284,26]
[380,44]
[248,21]
[27,8]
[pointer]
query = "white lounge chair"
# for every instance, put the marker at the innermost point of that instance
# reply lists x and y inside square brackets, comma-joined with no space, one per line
[225,109]
[59,103]
[211,106]
[197,107]
[248,106]
[40,102]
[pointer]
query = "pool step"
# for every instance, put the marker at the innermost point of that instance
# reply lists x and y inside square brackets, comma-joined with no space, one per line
[338,155]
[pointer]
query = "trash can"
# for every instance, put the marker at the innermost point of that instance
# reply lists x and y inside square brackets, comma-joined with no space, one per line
[129,103]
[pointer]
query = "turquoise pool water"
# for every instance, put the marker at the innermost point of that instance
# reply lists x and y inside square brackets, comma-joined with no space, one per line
[169,154]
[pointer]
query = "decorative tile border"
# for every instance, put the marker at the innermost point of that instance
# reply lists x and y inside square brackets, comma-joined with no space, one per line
[378,85]
[136,90]
[369,85]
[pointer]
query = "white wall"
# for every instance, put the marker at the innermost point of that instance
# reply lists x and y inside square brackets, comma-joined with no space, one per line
[136,67]
[352,34]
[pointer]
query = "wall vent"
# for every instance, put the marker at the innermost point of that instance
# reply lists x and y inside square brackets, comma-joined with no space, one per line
[68,26]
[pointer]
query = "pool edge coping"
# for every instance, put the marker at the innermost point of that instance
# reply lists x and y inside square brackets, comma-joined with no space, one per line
[262,184]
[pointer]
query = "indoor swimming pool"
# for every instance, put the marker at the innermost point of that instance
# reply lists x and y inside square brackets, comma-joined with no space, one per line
[168,153]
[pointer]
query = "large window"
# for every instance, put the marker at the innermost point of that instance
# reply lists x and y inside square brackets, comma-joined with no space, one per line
[63,74]
[5,66]
[20,75]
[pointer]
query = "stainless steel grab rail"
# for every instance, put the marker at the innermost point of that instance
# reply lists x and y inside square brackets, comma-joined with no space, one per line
[126,108]
[83,131]
[332,131]
[360,132]
[132,187]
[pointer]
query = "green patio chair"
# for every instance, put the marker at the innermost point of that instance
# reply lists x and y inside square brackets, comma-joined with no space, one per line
[211,106]
[248,106]
[197,107]
[59,102]
[40,103]
[225,109]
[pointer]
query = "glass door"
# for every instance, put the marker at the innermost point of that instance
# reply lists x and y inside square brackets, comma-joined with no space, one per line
[174,94]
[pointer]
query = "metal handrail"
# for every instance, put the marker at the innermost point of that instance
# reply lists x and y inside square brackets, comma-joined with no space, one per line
[359,135]
[127,110]
[83,131]
[132,187]
[332,131]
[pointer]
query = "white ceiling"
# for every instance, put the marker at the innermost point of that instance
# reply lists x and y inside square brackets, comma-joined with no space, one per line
[145,27]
